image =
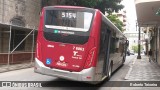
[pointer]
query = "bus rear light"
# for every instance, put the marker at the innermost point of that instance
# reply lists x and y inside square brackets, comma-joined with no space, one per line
[88,77]
[90,57]
[38,51]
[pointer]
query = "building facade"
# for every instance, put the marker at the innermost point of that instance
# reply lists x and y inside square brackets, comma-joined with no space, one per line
[18,18]
[147,17]
[20,12]
[133,40]
[122,17]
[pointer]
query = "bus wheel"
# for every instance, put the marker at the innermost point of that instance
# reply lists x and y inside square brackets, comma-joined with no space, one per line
[109,72]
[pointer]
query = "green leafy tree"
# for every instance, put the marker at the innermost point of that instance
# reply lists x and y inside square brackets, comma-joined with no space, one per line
[135,48]
[114,19]
[84,3]
[103,5]
[113,5]
[109,5]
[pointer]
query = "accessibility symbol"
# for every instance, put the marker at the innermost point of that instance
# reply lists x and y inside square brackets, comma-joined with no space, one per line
[48,61]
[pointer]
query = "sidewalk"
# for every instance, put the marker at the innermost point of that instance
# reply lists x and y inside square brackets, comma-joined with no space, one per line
[143,70]
[5,68]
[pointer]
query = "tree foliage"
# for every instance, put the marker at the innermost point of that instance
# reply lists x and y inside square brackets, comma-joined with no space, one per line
[103,5]
[114,19]
[84,3]
[113,5]
[135,48]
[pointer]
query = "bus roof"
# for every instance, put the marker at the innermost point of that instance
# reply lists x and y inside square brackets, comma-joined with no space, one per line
[70,7]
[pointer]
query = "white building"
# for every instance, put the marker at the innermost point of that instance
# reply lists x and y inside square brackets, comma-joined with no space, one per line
[147,17]
[122,17]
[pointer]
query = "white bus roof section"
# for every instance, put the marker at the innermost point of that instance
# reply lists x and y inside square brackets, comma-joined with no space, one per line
[146,12]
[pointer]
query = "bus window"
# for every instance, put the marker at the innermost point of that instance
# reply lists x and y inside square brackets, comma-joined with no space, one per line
[67,26]
[102,37]
[114,43]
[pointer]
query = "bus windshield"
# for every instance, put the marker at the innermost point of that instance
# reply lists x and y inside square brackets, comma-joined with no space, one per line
[67,26]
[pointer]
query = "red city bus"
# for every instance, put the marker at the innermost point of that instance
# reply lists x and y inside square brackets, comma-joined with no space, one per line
[78,43]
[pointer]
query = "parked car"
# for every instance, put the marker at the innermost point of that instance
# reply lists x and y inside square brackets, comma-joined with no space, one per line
[128,52]
[131,52]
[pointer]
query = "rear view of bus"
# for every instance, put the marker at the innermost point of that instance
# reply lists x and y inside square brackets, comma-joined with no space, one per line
[65,46]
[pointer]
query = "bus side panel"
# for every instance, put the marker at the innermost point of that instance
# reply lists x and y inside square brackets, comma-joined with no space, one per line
[95,33]
[117,50]
[39,37]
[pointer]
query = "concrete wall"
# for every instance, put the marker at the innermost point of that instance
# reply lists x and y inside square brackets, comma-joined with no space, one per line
[23,13]
[25,10]
[28,10]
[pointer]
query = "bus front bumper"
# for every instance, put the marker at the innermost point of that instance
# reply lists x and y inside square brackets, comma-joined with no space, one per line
[84,75]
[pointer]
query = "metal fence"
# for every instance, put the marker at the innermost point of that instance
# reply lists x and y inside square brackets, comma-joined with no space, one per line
[17,46]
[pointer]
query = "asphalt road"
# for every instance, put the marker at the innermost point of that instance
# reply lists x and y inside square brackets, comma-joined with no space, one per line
[29,75]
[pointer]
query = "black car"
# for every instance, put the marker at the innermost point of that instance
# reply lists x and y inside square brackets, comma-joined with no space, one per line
[128,52]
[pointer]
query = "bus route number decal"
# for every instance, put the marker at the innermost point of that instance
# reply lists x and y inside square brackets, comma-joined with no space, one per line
[78,48]
[68,15]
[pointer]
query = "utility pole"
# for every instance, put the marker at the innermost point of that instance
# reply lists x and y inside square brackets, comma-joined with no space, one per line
[139,46]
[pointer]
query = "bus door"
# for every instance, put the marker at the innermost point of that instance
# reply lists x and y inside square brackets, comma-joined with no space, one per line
[106,53]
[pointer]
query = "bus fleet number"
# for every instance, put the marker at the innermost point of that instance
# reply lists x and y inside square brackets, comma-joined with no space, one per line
[68,15]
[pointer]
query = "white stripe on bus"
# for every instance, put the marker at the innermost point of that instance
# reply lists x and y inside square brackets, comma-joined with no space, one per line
[66,28]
